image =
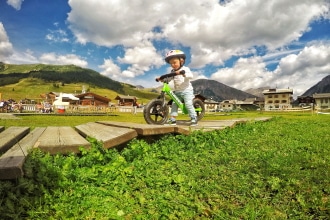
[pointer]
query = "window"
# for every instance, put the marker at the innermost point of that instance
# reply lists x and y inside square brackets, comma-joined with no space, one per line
[270,96]
[270,102]
[283,101]
[275,96]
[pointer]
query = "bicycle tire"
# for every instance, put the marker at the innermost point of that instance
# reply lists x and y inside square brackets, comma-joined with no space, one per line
[154,113]
[199,104]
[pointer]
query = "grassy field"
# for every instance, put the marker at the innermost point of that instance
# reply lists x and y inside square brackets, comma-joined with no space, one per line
[31,88]
[278,169]
[44,120]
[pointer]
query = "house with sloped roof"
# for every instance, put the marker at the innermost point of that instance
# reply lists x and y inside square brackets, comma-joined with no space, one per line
[125,100]
[90,98]
[322,100]
[278,99]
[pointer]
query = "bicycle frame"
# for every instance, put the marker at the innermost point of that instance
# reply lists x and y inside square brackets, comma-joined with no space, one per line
[166,89]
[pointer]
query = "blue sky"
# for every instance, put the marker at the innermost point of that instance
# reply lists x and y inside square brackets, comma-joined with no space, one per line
[243,44]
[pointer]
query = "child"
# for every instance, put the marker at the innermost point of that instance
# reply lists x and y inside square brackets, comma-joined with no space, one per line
[182,86]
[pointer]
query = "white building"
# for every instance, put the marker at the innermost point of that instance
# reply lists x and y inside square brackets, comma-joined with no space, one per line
[322,100]
[277,99]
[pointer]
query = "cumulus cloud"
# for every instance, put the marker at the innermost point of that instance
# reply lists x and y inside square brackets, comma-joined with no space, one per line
[15,3]
[53,58]
[140,59]
[213,31]
[110,69]
[6,48]
[297,71]
[305,69]
[246,73]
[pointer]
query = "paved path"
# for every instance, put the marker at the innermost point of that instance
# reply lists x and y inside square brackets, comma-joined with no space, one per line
[15,142]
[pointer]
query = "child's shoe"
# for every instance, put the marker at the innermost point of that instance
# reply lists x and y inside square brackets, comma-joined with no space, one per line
[171,121]
[193,122]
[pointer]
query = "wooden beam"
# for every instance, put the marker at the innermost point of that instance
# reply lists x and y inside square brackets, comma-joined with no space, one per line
[110,136]
[11,136]
[61,140]
[11,162]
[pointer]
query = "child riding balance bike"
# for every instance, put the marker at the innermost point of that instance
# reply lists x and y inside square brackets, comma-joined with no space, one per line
[182,97]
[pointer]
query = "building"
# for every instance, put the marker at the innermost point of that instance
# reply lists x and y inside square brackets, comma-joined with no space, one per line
[228,105]
[305,100]
[125,100]
[248,104]
[90,98]
[277,99]
[322,100]
[211,105]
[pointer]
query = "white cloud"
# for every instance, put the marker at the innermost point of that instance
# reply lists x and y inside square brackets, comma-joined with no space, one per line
[141,59]
[246,73]
[58,35]
[6,48]
[213,31]
[23,57]
[110,69]
[52,58]
[15,3]
[298,72]
[305,69]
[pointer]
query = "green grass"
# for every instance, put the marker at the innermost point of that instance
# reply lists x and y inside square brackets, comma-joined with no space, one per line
[32,88]
[278,169]
[44,120]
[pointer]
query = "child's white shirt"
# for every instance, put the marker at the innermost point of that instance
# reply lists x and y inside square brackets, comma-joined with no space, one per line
[181,82]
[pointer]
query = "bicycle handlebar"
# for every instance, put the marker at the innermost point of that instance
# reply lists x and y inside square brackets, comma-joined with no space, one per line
[182,72]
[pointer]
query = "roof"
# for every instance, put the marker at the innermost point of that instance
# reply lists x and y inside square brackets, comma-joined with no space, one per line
[67,95]
[277,91]
[125,97]
[321,95]
[89,95]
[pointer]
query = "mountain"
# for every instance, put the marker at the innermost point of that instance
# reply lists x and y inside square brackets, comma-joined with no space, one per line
[257,92]
[321,87]
[63,74]
[218,91]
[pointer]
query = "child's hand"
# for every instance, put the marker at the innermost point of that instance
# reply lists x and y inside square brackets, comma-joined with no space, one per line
[182,72]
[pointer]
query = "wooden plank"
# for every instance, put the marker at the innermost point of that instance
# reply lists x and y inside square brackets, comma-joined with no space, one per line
[11,136]
[110,136]
[142,129]
[2,128]
[62,140]
[11,162]
[182,127]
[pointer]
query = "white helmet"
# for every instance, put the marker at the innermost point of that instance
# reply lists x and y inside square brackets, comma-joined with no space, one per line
[175,53]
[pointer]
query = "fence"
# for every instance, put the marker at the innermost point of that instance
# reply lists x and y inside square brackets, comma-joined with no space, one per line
[78,109]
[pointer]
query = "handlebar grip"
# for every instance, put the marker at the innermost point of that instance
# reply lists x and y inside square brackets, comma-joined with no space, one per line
[182,72]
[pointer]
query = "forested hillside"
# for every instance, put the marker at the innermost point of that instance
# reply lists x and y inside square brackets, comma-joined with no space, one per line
[64,74]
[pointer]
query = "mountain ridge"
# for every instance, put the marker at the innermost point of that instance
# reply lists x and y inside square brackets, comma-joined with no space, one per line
[211,89]
[218,91]
[322,86]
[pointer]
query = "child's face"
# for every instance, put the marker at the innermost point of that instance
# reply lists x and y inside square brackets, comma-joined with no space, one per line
[175,63]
